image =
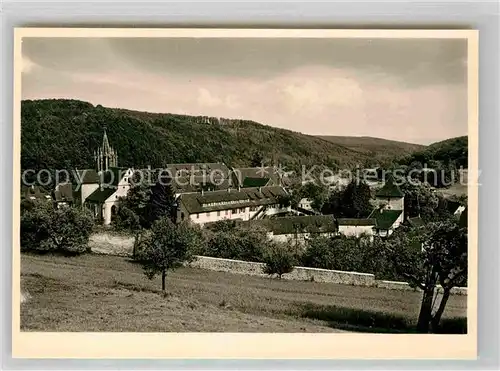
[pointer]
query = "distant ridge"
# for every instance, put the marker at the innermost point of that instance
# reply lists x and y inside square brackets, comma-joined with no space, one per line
[377,147]
[63,134]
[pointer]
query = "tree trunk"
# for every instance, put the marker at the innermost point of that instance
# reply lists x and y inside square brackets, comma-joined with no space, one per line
[136,241]
[163,277]
[442,305]
[425,315]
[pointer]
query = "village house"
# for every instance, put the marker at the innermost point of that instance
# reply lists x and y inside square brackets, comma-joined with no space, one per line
[63,195]
[296,229]
[356,227]
[194,177]
[34,193]
[389,213]
[231,204]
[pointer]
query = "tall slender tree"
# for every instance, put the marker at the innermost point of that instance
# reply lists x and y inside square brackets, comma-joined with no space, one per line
[162,199]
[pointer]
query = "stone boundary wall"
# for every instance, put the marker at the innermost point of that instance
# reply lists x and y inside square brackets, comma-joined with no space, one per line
[298,273]
[122,245]
[394,285]
[307,274]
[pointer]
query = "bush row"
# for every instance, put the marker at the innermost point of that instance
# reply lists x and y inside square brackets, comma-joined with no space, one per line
[227,240]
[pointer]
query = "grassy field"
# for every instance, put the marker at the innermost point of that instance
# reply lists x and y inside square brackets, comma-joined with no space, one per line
[108,293]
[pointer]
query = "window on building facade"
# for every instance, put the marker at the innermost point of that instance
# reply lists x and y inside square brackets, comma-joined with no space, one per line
[197,216]
[218,213]
[233,211]
[227,212]
[208,214]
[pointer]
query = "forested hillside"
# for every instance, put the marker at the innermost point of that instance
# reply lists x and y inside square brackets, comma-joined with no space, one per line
[452,151]
[379,149]
[61,134]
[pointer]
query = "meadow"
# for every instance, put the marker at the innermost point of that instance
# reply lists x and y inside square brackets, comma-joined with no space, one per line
[109,293]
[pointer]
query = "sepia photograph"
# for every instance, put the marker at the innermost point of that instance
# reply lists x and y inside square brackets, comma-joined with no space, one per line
[223,182]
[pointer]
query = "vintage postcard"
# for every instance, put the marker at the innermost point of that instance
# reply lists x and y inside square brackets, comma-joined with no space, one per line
[245,193]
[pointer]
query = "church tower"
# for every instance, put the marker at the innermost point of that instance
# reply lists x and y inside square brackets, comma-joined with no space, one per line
[105,155]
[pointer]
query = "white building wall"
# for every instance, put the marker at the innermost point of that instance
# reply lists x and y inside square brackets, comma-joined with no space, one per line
[356,230]
[305,203]
[87,190]
[299,237]
[392,203]
[243,213]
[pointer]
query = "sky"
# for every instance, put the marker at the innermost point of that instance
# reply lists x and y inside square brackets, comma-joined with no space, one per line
[412,90]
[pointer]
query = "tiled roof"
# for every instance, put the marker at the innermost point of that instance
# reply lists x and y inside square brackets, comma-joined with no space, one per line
[255,182]
[385,218]
[270,173]
[225,200]
[87,176]
[356,222]
[296,224]
[198,169]
[196,183]
[100,195]
[390,189]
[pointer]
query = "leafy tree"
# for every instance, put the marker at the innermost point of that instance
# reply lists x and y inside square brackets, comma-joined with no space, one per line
[316,193]
[352,202]
[162,200]
[319,254]
[278,260]
[339,253]
[168,247]
[138,199]
[47,229]
[420,199]
[356,200]
[257,159]
[428,256]
[253,242]
[227,240]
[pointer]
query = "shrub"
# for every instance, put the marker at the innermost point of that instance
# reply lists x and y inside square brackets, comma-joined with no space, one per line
[47,229]
[226,240]
[339,253]
[278,260]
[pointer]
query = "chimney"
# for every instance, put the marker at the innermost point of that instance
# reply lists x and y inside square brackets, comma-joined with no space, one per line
[239,188]
[202,192]
[229,190]
[260,189]
[149,167]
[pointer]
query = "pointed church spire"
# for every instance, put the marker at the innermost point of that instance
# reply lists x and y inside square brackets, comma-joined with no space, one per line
[106,148]
[106,155]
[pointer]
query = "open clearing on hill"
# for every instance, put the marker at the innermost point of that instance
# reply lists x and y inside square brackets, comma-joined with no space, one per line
[109,293]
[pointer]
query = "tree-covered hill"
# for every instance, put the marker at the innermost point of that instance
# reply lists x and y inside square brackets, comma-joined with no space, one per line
[450,151]
[377,148]
[63,134]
